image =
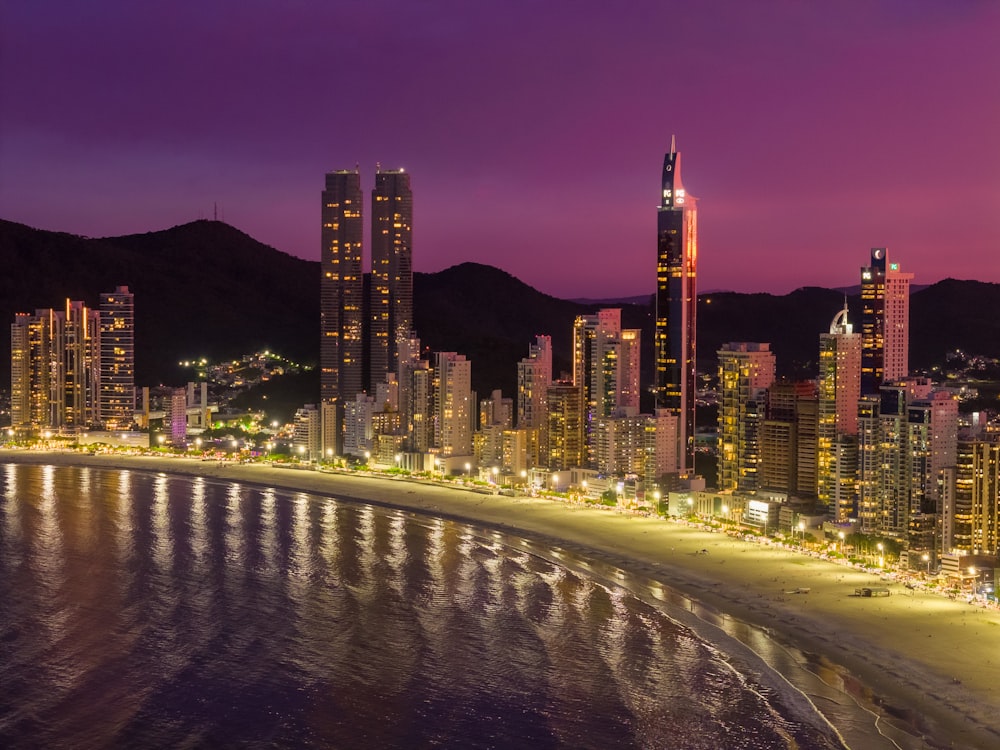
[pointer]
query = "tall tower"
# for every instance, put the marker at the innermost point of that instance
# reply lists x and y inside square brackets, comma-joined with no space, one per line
[676,299]
[836,439]
[116,369]
[885,318]
[391,295]
[341,300]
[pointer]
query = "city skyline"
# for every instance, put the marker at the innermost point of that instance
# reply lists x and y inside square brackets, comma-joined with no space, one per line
[814,132]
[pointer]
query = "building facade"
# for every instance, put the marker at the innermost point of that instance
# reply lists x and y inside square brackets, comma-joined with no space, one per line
[885,319]
[746,371]
[341,302]
[391,290]
[674,337]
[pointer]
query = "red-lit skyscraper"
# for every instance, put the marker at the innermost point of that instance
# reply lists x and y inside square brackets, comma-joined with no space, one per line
[674,336]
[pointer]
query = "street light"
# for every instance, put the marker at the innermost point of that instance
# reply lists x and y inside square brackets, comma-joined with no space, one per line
[927,561]
[468,469]
[840,535]
[881,557]
[802,532]
[496,471]
[555,481]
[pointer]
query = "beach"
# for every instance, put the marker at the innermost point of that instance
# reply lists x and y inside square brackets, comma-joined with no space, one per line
[918,656]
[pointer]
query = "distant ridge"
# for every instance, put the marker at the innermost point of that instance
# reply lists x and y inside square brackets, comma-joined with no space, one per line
[208,289]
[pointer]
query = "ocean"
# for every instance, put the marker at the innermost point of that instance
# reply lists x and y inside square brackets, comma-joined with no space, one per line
[154,610]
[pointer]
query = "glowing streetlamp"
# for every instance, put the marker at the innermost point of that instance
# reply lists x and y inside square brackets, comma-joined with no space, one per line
[802,532]
[656,499]
[468,468]
[555,481]
[881,557]
[496,471]
[840,536]
[927,561]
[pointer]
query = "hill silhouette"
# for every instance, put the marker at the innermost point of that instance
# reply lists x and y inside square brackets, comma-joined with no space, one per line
[207,289]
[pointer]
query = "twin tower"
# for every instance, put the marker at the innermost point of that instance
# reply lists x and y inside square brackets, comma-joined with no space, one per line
[361,322]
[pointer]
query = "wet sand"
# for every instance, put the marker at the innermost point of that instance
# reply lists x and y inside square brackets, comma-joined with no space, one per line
[918,654]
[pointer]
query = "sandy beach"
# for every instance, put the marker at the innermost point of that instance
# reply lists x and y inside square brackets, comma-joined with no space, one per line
[916,655]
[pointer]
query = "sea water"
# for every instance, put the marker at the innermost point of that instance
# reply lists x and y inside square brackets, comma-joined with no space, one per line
[152,610]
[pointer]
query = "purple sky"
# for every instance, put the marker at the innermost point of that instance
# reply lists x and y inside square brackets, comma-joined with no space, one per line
[534,131]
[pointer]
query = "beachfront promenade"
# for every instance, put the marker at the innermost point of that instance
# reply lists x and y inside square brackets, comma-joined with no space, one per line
[917,652]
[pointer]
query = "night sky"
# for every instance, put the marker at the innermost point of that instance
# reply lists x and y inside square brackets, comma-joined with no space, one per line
[534,131]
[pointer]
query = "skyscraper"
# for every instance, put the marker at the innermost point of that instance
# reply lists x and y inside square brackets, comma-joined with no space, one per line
[674,335]
[839,390]
[885,318]
[341,300]
[116,372]
[391,293]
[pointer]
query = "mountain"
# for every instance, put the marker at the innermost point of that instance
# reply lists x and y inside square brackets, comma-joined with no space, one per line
[207,289]
[202,288]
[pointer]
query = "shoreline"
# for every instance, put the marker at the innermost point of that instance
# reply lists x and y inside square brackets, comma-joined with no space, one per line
[918,656]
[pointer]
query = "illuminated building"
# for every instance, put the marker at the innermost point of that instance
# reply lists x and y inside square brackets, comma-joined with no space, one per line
[839,388]
[791,410]
[54,358]
[746,371]
[341,302]
[415,397]
[391,291]
[565,426]
[674,337]
[453,417]
[885,317]
[534,374]
[907,437]
[358,425]
[116,370]
[306,442]
[971,506]
[606,366]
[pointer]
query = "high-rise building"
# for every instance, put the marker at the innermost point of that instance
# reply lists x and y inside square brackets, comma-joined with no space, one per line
[596,361]
[391,290]
[839,387]
[341,302]
[674,336]
[75,368]
[971,507]
[453,415]
[566,411]
[534,374]
[885,317]
[116,372]
[746,371]
[788,404]
[907,438]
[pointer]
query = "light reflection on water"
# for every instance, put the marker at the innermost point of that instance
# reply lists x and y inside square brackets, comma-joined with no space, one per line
[219,613]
